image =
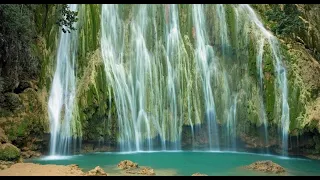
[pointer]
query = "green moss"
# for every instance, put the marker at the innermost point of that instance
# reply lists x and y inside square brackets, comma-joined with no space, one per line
[31,125]
[269,86]
[252,59]
[9,152]
[46,43]
[89,27]
[231,23]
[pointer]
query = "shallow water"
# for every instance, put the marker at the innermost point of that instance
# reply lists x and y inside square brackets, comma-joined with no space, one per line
[186,162]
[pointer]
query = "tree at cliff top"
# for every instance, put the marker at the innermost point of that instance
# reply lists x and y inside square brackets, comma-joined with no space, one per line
[67,19]
[16,33]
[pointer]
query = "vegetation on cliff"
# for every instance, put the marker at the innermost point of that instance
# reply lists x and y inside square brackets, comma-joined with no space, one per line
[285,20]
[28,43]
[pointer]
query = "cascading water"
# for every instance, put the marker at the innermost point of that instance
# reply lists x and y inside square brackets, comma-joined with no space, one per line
[280,71]
[145,92]
[206,65]
[260,75]
[62,95]
[165,74]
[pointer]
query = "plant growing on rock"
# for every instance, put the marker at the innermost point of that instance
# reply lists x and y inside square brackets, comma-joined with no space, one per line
[285,21]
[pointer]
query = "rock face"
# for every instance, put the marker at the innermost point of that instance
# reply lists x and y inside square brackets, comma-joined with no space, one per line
[12,101]
[133,168]
[143,171]
[127,164]
[310,15]
[266,166]
[97,171]
[22,86]
[9,152]
[199,174]
[29,154]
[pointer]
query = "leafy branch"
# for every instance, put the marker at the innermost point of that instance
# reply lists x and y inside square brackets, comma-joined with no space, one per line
[67,19]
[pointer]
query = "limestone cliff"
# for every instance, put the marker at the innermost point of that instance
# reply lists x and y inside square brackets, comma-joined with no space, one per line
[24,114]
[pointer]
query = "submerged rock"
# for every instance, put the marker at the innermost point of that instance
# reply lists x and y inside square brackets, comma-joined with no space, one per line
[127,164]
[266,166]
[9,152]
[97,171]
[199,174]
[143,171]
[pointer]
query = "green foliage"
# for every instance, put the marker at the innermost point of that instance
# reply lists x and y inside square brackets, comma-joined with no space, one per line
[285,21]
[16,34]
[9,152]
[68,18]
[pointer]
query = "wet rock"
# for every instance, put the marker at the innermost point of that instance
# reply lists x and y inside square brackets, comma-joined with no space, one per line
[97,171]
[199,174]
[29,154]
[9,152]
[127,164]
[147,171]
[313,156]
[266,166]
[143,171]
[86,148]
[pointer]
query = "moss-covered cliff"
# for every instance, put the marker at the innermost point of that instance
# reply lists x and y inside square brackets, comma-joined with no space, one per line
[23,108]
[23,111]
[301,55]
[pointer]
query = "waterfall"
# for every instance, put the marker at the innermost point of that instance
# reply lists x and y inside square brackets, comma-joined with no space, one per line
[62,94]
[204,53]
[281,77]
[168,70]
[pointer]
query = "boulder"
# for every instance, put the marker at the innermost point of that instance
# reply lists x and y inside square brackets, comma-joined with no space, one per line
[9,152]
[199,174]
[127,164]
[97,171]
[143,171]
[266,166]
[29,154]
[74,169]
[147,171]
[5,164]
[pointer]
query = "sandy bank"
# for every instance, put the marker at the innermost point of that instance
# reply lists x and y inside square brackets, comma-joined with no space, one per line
[31,169]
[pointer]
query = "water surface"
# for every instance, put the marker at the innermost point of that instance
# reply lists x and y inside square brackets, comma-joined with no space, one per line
[186,163]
